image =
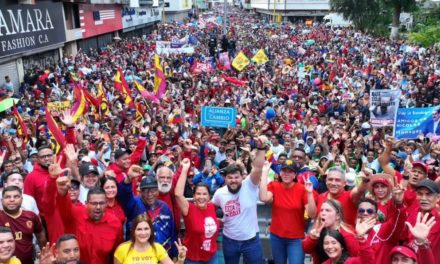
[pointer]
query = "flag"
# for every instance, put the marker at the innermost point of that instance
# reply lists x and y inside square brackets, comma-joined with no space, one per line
[270,156]
[175,117]
[122,86]
[240,61]
[234,81]
[139,112]
[260,57]
[79,106]
[22,130]
[159,79]
[146,94]
[103,102]
[91,100]
[57,137]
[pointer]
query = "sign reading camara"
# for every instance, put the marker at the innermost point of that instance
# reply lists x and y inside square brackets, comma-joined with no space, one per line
[27,27]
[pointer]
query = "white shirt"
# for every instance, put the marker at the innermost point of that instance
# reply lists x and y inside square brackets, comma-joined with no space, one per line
[240,210]
[83,191]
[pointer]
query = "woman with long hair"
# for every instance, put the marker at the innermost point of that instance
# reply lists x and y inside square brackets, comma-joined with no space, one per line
[110,187]
[290,200]
[142,248]
[331,217]
[381,190]
[201,223]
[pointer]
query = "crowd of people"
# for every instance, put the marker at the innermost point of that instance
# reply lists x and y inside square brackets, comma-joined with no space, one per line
[148,173]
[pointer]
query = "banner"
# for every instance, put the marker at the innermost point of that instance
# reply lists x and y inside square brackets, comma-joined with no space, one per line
[410,122]
[165,47]
[383,107]
[57,108]
[218,116]
[224,61]
[240,62]
[199,68]
[260,57]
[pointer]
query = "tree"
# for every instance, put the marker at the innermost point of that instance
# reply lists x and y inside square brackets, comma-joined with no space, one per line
[367,14]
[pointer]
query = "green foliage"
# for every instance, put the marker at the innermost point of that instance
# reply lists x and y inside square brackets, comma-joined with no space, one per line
[427,36]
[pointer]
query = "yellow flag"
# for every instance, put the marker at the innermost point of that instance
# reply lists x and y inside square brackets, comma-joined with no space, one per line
[260,57]
[240,61]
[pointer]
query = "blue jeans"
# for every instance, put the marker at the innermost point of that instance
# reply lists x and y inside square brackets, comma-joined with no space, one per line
[213,260]
[251,249]
[284,249]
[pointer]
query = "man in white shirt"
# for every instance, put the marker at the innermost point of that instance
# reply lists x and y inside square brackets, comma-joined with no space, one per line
[89,180]
[14,178]
[238,200]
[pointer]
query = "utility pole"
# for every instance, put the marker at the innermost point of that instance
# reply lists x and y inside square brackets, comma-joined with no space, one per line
[225,30]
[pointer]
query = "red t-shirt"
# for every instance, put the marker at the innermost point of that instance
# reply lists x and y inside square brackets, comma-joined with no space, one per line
[23,227]
[350,208]
[201,233]
[288,210]
[117,211]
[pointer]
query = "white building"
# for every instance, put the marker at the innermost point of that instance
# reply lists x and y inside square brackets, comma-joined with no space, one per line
[177,10]
[291,8]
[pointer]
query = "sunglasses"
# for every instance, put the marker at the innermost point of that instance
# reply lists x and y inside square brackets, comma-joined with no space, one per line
[368,211]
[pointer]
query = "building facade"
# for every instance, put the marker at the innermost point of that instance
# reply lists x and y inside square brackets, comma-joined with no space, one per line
[38,34]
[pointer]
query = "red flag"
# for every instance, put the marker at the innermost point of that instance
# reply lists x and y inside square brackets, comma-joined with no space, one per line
[122,86]
[234,81]
[92,100]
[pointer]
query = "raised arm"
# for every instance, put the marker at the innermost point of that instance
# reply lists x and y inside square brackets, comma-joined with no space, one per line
[359,191]
[258,163]
[265,195]
[180,187]
[125,191]
[384,158]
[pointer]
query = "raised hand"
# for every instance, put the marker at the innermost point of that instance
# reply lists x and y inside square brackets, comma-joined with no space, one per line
[70,152]
[363,227]
[46,255]
[55,169]
[63,185]
[398,193]
[67,118]
[186,163]
[181,249]
[144,130]
[134,171]
[308,185]
[421,229]
[315,232]
[262,141]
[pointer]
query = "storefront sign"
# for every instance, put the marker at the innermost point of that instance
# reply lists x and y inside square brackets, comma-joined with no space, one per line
[27,27]
[138,16]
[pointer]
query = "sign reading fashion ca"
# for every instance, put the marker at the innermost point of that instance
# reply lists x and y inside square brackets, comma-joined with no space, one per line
[27,27]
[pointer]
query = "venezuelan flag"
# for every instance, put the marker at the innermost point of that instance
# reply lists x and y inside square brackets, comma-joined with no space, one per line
[175,118]
[159,79]
[269,156]
[79,106]
[22,130]
[103,102]
[122,86]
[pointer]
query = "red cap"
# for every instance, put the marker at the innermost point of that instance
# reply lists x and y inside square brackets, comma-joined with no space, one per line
[421,165]
[407,252]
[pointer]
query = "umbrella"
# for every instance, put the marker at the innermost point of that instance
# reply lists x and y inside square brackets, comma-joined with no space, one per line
[8,103]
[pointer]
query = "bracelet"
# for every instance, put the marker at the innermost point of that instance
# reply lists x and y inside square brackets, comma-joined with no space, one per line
[265,148]
[424,243]
[181,259]
[405,177]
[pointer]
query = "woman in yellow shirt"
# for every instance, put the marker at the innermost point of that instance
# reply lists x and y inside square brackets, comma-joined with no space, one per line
[142,249]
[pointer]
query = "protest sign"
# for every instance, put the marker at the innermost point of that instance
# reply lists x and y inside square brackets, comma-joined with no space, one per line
[260,57]
[167,47]
[240,62]
[56,108]
[383,107]
[411,122]
[218,116]
[224,61]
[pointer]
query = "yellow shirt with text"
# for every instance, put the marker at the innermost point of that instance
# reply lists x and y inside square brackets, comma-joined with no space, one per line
[151,256]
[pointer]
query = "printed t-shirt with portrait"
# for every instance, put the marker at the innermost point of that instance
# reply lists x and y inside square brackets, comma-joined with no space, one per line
[240,210]
[201,232]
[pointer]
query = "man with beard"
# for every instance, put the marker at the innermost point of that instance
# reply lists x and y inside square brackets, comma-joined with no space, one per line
[7,246]
[65,251]
[238,200]
[24,224]
[166,183]
[148,203]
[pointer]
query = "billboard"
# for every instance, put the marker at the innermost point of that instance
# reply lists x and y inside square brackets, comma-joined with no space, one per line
[27,27]
[99,19]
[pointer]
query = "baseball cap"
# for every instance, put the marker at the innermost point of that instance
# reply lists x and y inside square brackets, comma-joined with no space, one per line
[421,165]
[350,179]
[87,168]
[33,152]
[407,252]
[148,182]
[288,164]
[429,184]
[74,184]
